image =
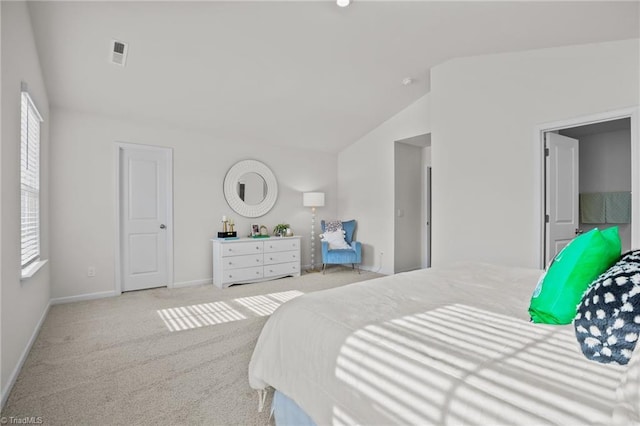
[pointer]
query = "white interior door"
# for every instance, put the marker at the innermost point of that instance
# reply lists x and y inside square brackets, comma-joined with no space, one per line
[144,194]
[562,192]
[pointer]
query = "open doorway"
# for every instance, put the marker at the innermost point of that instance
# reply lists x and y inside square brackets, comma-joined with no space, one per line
[412,203]
[588,182]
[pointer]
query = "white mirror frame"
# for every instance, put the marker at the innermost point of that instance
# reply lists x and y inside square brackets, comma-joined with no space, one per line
[231,193]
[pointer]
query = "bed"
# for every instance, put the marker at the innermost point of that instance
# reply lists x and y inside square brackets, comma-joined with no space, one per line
[449,345]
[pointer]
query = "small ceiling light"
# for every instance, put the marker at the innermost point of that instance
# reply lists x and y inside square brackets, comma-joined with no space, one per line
[343,3]
[407,81]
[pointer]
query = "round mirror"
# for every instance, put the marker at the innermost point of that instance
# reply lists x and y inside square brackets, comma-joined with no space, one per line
[250,188]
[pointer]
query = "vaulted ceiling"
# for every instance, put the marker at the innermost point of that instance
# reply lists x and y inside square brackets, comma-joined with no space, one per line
[304,74]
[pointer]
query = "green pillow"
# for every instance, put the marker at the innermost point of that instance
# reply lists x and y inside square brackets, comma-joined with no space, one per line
[613,237]
[560,289]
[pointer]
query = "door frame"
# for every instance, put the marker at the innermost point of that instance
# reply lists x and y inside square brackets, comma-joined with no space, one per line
[539,190]
[119,148]
[426,216]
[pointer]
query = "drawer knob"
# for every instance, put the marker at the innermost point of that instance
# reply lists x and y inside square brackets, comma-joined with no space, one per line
[257,273]
[271,258]
[230,276]
[258,260]
[257,248]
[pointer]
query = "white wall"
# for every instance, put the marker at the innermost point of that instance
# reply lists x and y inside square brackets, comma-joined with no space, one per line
[408,207]
[484,111]
[83,185]
[605,166]
[366,183]
[23,302]
[605,161]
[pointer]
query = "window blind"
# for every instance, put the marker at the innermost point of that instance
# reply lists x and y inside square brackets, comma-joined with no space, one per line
[29,181]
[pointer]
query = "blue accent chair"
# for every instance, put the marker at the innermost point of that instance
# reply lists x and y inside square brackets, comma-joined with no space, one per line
[343,256]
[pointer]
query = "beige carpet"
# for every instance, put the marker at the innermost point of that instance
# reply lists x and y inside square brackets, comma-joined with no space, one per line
[136,359]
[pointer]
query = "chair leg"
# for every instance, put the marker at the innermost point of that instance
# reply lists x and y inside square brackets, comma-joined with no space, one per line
[324,265]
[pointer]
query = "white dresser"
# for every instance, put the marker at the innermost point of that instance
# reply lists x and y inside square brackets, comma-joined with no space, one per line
[248,260]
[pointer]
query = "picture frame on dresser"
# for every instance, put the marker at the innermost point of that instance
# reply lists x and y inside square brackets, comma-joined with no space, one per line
[255,229]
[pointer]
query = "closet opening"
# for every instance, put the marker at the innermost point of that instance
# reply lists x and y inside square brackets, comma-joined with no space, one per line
[588,181]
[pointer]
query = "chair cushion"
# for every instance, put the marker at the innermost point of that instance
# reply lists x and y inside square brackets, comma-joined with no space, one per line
[341,256]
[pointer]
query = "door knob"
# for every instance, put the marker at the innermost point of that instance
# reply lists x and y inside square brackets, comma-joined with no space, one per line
[162,226]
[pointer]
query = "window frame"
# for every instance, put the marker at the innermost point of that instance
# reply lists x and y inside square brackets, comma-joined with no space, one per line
[30,123]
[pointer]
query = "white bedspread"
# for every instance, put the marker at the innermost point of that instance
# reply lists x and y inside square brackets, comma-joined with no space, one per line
[439,346]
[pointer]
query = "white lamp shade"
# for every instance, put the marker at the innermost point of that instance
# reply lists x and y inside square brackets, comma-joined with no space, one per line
[313,199]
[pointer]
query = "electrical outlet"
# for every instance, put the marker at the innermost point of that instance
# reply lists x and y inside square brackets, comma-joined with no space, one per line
[91,272]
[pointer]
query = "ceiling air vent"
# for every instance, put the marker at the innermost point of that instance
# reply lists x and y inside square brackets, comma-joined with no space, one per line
[119,52]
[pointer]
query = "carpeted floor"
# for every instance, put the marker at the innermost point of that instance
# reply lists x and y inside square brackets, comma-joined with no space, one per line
[156,356]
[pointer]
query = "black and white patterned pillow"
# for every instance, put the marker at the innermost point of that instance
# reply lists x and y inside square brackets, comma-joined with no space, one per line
[608,320]
[333,226]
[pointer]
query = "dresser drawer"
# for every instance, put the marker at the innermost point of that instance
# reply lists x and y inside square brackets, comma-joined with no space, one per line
[281,245]
[246,261]
[282,269]
[237,249]
[281,257]
[238,275]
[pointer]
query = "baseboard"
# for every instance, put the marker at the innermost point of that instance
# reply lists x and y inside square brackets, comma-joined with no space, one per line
[317,267]
[112,293]
[81,297]
[192,283]
[23,357]
[346,265]
[375,270]
[378,270]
